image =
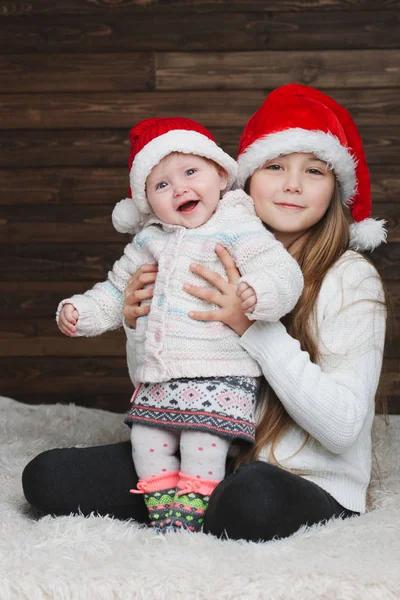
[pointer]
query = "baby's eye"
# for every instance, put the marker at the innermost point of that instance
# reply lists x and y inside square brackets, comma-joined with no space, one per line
[161,185]
[190,171]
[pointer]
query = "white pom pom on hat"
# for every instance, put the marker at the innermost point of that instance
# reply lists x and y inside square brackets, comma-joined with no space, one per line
[126,216]
[367,234]
[299,118]
[152,140]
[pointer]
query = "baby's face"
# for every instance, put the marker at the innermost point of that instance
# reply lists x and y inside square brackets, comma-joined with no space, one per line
[184,189]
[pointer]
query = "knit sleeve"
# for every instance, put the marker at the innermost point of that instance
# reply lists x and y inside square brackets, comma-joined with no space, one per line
[332,399]
[101,308]
[276,279]
[266,266]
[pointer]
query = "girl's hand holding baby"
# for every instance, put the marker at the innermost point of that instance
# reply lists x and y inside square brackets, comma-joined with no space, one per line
[135,293]
[247,296]
[68,320]
[225,295]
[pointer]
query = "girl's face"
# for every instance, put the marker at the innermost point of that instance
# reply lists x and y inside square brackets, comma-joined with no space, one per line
[291,193]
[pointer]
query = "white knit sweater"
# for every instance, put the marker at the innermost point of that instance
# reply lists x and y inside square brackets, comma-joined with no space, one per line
[333,400]
[167,344]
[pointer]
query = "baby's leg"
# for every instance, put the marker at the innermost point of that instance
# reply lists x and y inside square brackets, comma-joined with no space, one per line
[203,458]
[153,453]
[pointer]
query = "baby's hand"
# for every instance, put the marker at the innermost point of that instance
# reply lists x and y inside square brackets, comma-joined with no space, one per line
[68,320]
[247,296]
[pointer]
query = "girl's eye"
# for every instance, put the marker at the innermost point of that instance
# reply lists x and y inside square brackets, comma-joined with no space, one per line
[161,185]
[190,171]
[315,172]
[273,167]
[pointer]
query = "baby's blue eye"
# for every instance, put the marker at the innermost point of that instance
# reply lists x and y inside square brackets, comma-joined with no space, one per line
[161,185]
[190,171]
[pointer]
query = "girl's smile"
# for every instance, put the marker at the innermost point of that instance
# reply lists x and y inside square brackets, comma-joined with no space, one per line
[288,206]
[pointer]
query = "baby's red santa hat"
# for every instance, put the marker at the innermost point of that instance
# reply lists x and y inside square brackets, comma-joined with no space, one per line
[151,141]
[298,118]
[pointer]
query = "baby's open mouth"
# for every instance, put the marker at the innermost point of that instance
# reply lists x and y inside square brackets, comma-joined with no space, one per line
[188,206]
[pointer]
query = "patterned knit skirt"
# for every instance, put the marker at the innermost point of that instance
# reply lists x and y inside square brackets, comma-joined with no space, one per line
[223,406]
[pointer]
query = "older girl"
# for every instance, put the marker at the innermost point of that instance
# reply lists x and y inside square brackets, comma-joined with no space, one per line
[302,161]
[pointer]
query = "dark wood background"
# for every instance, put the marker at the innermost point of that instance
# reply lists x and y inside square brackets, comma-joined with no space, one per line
[75,75]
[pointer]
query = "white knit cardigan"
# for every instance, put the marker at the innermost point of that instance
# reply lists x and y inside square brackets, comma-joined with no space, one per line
[333,400]
[167,344]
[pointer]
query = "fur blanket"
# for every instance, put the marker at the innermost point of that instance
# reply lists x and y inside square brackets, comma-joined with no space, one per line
[100,558]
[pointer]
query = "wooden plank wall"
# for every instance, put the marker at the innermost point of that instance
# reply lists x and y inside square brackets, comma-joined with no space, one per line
[75,75]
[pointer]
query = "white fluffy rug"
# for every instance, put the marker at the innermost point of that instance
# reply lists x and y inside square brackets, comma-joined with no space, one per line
[98,558]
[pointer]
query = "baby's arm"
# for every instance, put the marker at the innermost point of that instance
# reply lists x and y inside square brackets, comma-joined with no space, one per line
[101,308]
[271,281]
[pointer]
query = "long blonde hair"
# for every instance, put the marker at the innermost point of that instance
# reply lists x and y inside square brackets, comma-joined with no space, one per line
[322,245]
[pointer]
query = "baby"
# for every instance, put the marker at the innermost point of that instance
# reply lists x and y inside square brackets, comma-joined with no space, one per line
[196,388]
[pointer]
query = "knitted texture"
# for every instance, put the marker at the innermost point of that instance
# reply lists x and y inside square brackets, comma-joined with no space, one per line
[188,511]
[190,502]
[159,505]
[218,405]
[334,400]
[167,344]
[157,497]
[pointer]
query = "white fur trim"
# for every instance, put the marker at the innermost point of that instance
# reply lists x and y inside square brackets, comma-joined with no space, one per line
[126,216]
[367,234]
[325,146]
[177,140]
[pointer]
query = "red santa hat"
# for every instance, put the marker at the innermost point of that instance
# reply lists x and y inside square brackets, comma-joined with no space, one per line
[298,118]
[152,140]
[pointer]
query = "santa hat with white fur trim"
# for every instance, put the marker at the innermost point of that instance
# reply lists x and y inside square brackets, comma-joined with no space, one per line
[151,141]
[298,118]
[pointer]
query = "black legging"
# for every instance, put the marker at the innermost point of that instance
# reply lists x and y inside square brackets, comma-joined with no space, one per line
[257,502]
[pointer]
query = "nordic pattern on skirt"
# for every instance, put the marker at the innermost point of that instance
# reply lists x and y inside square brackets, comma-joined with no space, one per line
[222,406]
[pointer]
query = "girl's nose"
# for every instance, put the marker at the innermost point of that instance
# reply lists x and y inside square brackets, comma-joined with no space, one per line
[293,184]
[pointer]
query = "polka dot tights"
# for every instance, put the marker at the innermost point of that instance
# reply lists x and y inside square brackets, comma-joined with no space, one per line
[154,452]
